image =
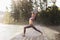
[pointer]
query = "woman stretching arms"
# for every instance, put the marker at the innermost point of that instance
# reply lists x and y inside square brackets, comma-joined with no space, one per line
[31,20]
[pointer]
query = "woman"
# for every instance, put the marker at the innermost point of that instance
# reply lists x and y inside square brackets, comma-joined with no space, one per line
[31,20]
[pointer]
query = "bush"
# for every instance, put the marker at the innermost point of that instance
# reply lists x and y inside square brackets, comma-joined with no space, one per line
[51,16]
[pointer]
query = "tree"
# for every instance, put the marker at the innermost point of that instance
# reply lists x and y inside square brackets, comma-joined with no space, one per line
[54,1]
[43,2]
[21,9]
[26,9]
[15,11]
[36,3]
[41,5]
[46,3]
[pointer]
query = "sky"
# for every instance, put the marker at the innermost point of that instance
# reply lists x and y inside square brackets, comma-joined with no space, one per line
[7,3]
[4,4]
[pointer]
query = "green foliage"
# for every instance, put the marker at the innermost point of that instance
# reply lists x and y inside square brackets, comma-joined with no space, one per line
[21,9]
[45,3]
[26,9]
[45,0]
[15,11]
[51,16]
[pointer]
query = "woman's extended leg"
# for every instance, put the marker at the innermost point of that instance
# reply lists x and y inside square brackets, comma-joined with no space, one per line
[36,29]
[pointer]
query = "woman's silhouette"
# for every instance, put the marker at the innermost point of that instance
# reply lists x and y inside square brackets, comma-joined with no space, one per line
[31,20]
